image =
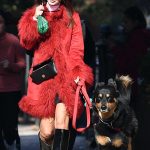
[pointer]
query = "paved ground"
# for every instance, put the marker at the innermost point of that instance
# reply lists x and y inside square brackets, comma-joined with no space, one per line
[29,139]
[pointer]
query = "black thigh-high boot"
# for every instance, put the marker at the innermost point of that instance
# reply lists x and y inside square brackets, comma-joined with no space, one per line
[44,146]
[73,134]
[61,139]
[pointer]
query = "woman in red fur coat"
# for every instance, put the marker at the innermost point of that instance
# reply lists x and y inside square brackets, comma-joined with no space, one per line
[53,100]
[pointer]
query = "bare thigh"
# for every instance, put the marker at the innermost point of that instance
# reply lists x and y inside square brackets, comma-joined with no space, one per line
[47,128]
[61,117]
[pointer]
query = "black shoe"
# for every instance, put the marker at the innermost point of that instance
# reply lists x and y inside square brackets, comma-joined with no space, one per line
[61,139]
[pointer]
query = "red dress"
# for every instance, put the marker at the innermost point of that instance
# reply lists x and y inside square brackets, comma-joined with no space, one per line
[65,45]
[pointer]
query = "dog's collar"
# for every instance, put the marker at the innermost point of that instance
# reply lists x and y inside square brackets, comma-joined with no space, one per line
[109,122]
[110,125]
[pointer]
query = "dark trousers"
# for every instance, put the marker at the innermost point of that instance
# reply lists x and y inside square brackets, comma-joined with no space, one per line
[9,116]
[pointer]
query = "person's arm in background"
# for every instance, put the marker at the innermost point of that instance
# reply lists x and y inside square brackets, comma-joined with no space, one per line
[17,64]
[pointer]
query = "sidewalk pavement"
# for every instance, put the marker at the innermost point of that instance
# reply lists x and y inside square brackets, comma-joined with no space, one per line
[29,139]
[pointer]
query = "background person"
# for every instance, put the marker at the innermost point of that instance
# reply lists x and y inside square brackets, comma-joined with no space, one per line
[129,54]
[12,67]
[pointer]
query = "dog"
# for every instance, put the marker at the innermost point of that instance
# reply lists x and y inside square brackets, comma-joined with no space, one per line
[115,123]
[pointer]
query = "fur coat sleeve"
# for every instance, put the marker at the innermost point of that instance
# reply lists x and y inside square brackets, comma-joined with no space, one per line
[27,28]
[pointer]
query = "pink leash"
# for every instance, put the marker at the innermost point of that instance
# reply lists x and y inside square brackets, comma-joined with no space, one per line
[81,89]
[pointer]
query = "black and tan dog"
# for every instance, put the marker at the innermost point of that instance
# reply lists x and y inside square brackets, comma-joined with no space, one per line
[116,123]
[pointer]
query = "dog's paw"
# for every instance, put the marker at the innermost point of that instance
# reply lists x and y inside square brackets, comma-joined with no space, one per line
[102,140]
[117,142]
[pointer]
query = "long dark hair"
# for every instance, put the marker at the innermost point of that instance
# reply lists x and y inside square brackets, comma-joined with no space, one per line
[135,14]
[68,5]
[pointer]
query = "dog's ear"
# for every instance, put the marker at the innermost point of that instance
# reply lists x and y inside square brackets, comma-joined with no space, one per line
[112,83]
[117,94]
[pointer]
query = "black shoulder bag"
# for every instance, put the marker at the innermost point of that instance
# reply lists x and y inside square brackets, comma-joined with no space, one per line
[44,71]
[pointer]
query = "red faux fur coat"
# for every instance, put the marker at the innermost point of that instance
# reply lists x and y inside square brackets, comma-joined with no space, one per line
[65,44]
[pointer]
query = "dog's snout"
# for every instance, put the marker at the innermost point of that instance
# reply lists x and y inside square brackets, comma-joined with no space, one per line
[103,107]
